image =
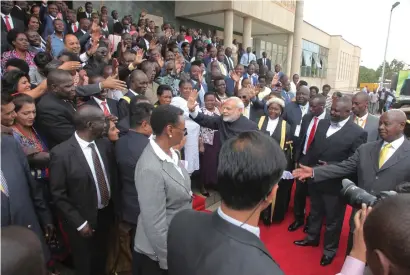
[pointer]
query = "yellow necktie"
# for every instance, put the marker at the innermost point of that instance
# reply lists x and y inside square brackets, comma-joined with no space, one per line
[383,154]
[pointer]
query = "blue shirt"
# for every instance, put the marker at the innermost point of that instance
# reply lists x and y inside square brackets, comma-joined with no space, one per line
[57,45]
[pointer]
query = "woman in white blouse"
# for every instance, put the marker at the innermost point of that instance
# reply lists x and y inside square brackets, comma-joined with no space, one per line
[273,125]
[191,148]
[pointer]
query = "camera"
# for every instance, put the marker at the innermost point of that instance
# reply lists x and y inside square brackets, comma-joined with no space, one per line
[355,196]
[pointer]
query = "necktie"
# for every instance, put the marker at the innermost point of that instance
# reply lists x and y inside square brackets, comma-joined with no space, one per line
[248,58]
[312,133]
[105,109]
[8,26]
[246,112]
[102,184]
[264,61]
[3,187]
[75,29]
[383,154]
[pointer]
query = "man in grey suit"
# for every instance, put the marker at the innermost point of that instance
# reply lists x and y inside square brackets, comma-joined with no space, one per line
[363,118]
[380,165]
[233,229]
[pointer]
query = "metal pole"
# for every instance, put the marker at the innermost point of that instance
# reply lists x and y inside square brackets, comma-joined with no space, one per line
[385,50]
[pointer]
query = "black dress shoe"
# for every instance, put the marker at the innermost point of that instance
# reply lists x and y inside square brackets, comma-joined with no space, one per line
[306,243]
[295,226]
[326,260]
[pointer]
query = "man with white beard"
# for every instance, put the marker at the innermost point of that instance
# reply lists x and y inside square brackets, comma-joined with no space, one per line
[231,123]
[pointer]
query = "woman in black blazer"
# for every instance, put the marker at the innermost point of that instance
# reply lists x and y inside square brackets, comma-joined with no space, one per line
[273,125]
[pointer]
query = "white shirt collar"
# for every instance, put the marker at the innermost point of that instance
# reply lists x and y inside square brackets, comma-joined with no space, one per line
[83,31]
[322,115]
[3,15]
[342,123]
[83,144]
[162,155]
[99,100]
[134,93]
[254,230]
[396,143]
[54,18]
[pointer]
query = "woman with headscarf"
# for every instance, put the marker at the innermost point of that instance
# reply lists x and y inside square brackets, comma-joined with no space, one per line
[273,125]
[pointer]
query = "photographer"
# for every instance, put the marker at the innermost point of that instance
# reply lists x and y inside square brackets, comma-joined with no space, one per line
[387,255]
[380,165]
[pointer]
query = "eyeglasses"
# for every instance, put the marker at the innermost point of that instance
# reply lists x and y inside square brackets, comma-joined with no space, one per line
[244,97]
[184,130]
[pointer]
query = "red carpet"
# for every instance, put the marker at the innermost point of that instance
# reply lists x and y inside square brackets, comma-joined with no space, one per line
[295,260]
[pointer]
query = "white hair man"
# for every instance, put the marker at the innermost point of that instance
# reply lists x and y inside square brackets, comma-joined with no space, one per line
[230,123]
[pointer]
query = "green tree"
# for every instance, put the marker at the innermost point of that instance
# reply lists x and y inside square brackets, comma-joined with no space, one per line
[367,75]
[391,68]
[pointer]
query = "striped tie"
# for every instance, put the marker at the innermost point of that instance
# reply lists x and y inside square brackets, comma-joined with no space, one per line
[102,183]
[3,187]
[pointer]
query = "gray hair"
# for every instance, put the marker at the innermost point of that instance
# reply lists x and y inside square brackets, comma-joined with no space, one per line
[238,101]
[276,100]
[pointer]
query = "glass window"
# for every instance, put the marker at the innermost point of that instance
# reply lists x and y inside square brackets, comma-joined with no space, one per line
[314,59]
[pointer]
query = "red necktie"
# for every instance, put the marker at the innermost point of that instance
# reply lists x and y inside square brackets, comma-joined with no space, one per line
[75,27]
[8,26]
[105,109]
[312,133]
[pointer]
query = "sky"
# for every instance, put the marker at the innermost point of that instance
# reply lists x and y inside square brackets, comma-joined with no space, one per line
[364,23]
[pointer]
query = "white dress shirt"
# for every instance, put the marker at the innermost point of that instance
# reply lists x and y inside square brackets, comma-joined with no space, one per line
[165,157]
[362,120]
[322,116]
[272,124]
[99,102]
[250,228]
[84,145]
[245,60]
[134,93]
[293,88]
[304,110]
[394,146]
[10,20]
[247,111]
[334,127]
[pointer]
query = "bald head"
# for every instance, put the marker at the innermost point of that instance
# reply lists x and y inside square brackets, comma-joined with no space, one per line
[91,119]
[24,254]
[340,109]
[139,81]
[71,43]
[302,95]
[56,77]
[390,254]
[392,124]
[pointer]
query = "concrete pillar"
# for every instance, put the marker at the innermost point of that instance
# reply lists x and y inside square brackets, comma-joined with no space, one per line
[247,32]
[297,38]
[228,28]
[289,55]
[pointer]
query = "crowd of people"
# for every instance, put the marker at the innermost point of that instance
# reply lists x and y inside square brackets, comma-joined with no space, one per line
[105,121]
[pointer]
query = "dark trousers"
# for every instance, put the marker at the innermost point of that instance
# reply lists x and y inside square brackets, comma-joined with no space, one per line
[144,265]
[381,105]
[90,254]
[301,193]
[282,200]
[332,208]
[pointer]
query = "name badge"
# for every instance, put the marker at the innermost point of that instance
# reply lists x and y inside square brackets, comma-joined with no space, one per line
[297,131]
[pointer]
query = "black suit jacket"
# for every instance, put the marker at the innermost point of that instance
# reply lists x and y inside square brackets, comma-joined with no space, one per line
[18,24]
[128,150]
[72,183]
[19,14]
[255,113]
[336,148]
[268,63]
[299,144]
[229,66]
[82,38]
[293,115]
[226,129]
[238,251]
[112,105]
[54,119]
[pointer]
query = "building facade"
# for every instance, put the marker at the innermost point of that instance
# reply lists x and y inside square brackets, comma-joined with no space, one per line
[274,27]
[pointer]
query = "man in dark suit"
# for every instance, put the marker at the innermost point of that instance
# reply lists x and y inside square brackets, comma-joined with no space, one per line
[363,118]
[107,105]
[230,124]
[308,128]
[55,109]
[83,33]
[82,184]
[128,150]
[380,165]
[19,11]
[335,140]
[138,84]
[234,227]
[22,201]
[212,56]
[264,61]
[228,61]
[8,23]
[295,111]
[251,111]
[72,25]
[87,13]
